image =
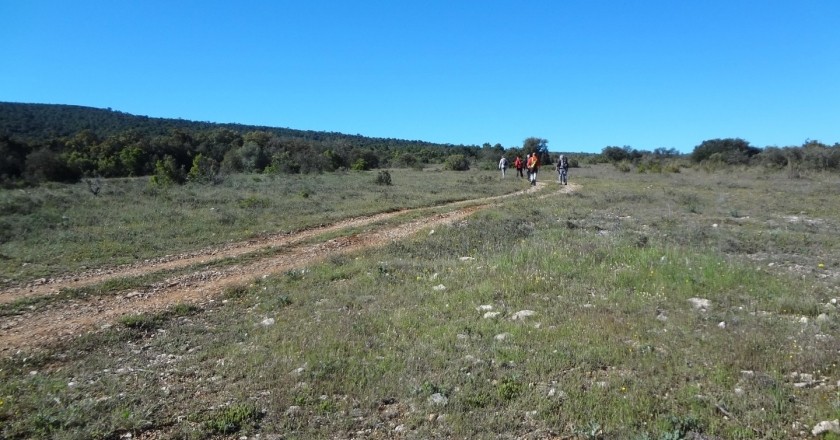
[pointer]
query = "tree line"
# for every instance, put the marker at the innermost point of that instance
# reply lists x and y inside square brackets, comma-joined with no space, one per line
[62,143]
[715,153]
[41,142]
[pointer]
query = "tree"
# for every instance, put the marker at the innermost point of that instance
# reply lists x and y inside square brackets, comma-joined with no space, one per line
[204,169]
[539,146]
[44,164]
[12,158]
[167,172]
[731,151]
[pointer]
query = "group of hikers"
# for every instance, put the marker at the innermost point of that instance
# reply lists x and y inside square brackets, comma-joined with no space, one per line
[532,164]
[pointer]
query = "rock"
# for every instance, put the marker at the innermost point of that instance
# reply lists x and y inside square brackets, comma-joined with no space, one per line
[502,336]
[722,325]
[401,428]
[700,304]
[803,320]
[467,258]
[484,307]
[826,426]
[491,315]
[267,322]
[522,314]
[294,411]
[822,317]
[439,288]
[438,399]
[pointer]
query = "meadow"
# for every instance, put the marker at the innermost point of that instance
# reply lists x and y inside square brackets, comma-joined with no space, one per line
[697,304]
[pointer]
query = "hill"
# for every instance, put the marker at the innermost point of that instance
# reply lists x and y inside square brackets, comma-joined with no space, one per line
[50,142]
[42,122]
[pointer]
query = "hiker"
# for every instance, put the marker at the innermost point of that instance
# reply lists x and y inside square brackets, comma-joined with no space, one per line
[563,169]
[503,166]
[533,167]
[518,165]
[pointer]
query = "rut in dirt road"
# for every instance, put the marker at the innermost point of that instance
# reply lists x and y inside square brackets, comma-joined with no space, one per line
[61,320]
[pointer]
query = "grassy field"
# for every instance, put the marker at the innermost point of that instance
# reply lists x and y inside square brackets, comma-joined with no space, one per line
[642,306]
[58,228]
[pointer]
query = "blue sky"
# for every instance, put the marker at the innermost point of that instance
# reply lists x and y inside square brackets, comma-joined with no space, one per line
[582,74]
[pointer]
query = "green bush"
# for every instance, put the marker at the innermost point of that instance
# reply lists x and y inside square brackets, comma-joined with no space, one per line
[457,162]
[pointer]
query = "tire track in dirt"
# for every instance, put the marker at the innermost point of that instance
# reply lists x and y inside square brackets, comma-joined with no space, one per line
[67,319]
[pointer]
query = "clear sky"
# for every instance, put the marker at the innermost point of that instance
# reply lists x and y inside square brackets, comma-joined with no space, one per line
[583,74]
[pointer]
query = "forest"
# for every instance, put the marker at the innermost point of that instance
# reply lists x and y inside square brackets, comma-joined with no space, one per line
[65,143]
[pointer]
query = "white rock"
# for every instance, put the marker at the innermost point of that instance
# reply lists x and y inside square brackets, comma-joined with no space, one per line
[722,324]
[438,399]
[502,336]
[267,321]
[833,301]
[467,258]
[491,315]
[827,426]
[803,320]
[701,304]
[432,232]
[522,314]
[484,307]
[714,225]
[822,318]
[439,288]
[401,428]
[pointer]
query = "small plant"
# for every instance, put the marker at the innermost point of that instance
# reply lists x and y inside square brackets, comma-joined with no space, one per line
[252,202]
[509,389]
[235,292]
[231,419]
[94,185]
[144,322]
[383,178]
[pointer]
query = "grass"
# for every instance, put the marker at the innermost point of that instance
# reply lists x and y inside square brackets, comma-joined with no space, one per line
[58,229]
[395,342]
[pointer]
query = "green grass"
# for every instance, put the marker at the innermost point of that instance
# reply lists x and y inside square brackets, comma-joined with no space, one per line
[371,346]
[56,229]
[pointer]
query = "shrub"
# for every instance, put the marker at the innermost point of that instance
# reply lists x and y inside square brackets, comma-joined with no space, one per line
[204,169]
[167,172]
[457,162]
[383,178]
[359,165]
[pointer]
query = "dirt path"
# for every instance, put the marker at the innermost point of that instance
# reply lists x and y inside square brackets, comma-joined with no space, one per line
[61,320]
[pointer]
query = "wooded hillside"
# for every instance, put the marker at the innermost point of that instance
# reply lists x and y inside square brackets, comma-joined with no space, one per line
[46,142]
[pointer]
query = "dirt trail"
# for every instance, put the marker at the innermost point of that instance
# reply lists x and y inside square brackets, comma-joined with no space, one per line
[60,320]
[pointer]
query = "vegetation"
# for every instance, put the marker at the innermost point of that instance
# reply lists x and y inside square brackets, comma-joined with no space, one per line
[58,228]
[62,143]
[698,304]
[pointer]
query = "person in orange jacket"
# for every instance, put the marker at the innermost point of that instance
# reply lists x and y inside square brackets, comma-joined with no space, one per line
[533,167]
